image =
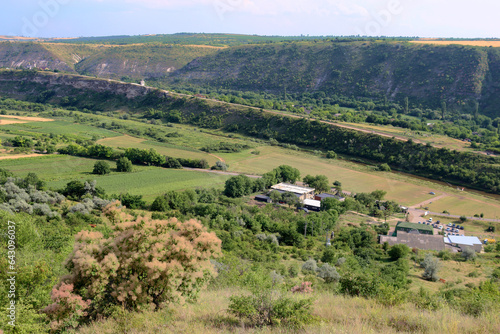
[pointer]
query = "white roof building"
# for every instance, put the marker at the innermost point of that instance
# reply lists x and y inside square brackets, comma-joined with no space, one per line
[464,241]
[312,203]
[292,188]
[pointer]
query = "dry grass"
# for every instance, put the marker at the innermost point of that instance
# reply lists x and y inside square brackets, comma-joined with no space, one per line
[28,118]
[337,314]
[495,44]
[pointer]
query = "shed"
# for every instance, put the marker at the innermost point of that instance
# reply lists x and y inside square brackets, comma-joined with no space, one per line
[322,196]
[263,198]
[301,192]
[312,204]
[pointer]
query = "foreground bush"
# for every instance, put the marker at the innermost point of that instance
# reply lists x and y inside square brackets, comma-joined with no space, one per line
[145,264]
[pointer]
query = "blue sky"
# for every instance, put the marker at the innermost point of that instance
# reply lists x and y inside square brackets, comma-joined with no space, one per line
[424,18]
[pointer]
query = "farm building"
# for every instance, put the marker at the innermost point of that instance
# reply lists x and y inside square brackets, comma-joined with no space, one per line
[263,198]
[415,240]
[321,197]
[312,204]
[301,192]
[420,228]
[464,242]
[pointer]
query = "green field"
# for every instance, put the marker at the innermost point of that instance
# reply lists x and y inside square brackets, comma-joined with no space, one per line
[147,181]
[173,151]
[59,128]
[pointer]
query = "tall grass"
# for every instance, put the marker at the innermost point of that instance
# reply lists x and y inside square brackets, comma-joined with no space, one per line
[338,314]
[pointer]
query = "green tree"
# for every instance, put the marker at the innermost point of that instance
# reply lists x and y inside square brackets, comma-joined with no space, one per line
[124,165]
[398,251]
[101,168]
[238,186]
[288,174]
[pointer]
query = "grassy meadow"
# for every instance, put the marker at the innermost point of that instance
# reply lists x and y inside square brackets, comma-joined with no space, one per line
[335,314]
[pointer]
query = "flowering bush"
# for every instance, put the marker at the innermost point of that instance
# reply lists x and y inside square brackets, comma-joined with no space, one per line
[145,264]
[304,287]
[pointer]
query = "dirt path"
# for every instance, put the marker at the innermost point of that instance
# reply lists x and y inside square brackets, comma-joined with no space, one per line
[20,156]
[429,201]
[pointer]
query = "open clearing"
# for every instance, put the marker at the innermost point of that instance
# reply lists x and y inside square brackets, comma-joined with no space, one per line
[470,43]
[466,205]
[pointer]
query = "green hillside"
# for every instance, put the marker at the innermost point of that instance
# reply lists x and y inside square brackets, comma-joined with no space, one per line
[427,75]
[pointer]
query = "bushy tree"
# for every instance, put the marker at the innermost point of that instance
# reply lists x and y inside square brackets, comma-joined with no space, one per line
[101,168]
[328,273]
[398,251]
[124,165]
[431,266]
[469,253]
[145,263]
[310,266]
[238,186]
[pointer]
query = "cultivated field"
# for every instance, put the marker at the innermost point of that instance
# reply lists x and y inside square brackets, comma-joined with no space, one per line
[469,43]
[59,128]
[147,181]
[466,205]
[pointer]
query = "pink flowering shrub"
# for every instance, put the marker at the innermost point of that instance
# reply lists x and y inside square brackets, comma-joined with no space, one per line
[145,264]
[305,287]
[67,308]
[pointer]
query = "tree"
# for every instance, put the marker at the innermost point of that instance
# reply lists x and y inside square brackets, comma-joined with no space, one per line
[463,219]
[238,186]
[379,194]
[287,173]
[275,196]
[132,201]
[330,203]
[145,262]
[101,168]
[124,165]
[431,266]
[398,251]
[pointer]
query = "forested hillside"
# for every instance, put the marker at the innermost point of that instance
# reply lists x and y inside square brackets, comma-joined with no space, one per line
[392,71]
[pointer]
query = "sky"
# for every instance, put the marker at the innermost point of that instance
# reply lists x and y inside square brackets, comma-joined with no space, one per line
[423,18]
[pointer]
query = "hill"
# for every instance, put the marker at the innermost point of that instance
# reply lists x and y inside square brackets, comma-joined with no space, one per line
[427,75]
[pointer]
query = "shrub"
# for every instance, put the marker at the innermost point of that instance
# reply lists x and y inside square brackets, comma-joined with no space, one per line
[431,266]
[384,167]
[124,165]
[310,266]
[220,165]
[469,254]
[145,263]
[304,287]
[328,273]
[271,307]
[101,168]
[444,255]
[398,251]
